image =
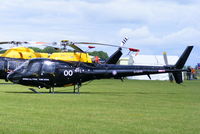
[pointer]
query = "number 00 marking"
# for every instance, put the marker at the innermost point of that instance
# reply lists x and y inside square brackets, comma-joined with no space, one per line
[68,73]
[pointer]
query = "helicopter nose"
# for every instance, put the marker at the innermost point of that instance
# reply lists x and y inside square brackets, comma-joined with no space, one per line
[13,77]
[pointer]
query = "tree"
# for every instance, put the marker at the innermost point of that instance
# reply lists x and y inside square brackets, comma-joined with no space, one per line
[2,51]
[100,54]
[36,49]
[50,50]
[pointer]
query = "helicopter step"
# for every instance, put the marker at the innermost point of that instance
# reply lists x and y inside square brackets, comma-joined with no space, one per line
[51,90]
[77,87]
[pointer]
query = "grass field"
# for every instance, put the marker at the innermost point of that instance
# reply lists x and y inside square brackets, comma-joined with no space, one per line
[103,107]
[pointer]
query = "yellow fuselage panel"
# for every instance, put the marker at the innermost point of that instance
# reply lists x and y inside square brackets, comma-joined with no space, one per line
[21,49]
[27,55]
[11,54]
[23,53]
[71,56]
[42,55]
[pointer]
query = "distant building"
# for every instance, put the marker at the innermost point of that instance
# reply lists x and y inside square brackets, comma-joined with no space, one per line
[149,60]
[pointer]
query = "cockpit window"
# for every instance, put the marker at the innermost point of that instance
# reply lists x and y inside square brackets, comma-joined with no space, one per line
[12,65]
[48,67]
[23,67]
[34,67]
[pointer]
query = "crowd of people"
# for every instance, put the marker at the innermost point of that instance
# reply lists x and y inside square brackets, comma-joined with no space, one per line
[191,73]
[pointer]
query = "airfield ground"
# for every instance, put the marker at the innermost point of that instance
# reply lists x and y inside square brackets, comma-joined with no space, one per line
[103,107]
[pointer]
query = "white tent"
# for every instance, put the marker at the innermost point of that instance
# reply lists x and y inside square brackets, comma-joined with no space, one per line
[149,60]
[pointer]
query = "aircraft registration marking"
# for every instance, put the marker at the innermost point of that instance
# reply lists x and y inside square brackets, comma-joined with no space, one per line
[161,71]
[138,71]
[34,79]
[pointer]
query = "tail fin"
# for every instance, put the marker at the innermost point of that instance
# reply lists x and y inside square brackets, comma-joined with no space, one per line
[181,61]
[114,57]
[178,77]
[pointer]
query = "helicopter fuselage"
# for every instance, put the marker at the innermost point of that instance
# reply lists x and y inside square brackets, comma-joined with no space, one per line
[53,73]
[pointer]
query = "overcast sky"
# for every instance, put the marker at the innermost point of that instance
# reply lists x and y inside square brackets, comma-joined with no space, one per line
[153,26]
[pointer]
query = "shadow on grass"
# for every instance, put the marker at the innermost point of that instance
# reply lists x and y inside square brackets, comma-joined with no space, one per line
[96,93]
[6,83]
[45,92]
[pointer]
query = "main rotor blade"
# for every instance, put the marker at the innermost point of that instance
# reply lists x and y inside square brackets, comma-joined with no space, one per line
[102,44]
[94,43]
[55,46]
[14,42]
[5,42]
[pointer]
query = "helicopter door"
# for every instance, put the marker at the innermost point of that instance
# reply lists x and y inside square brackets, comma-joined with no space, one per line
[65,74]
[47,76]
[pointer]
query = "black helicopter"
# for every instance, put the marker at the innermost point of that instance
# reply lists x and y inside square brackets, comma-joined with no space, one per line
[48,73]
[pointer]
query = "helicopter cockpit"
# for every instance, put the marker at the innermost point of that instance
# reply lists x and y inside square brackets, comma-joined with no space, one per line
[22,68]
[32,70]
[32,67]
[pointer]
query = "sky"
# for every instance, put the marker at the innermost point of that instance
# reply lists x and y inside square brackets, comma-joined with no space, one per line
[153,26]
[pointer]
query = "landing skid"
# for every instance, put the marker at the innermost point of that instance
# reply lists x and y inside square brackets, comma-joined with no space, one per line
[51,90]
[34,90]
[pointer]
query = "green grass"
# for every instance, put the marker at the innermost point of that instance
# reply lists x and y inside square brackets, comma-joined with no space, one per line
[103,107]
